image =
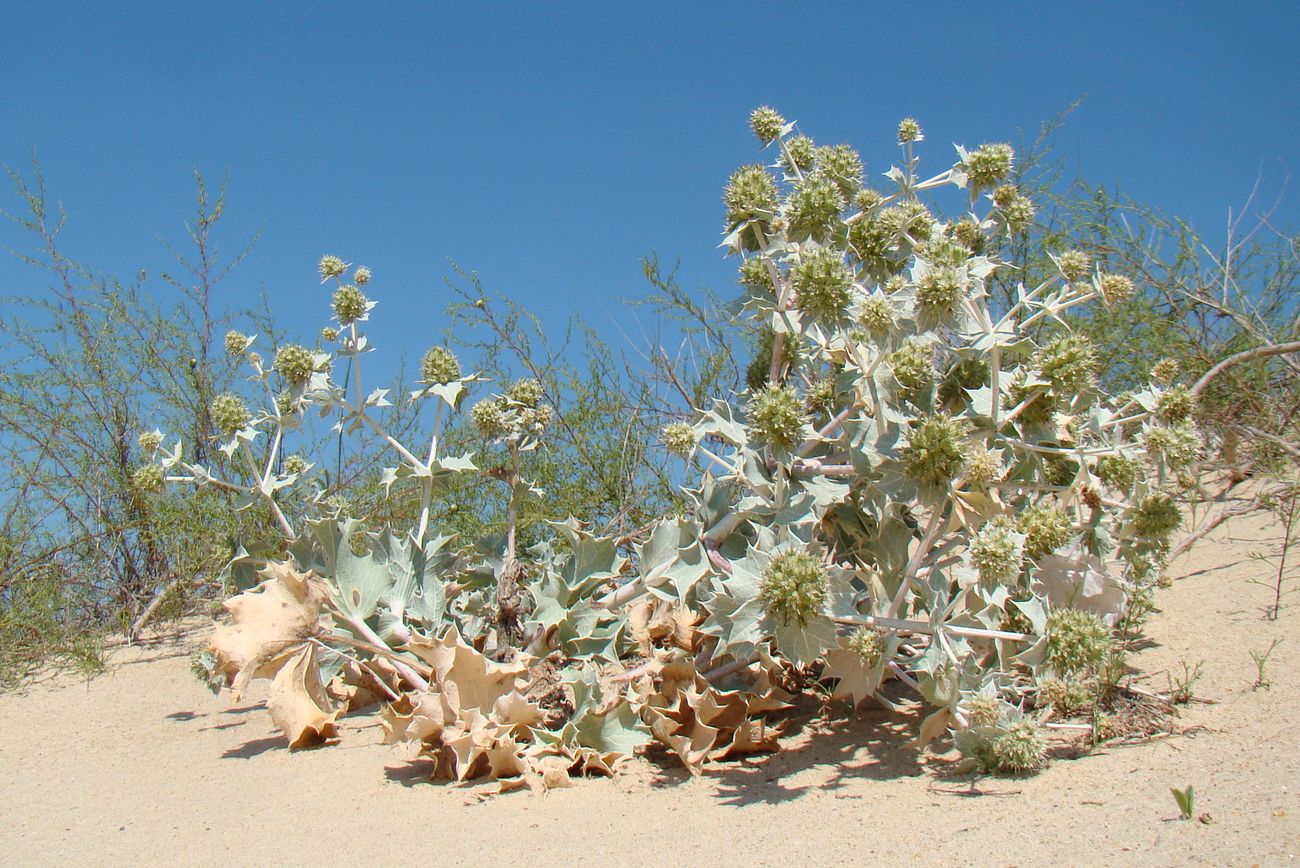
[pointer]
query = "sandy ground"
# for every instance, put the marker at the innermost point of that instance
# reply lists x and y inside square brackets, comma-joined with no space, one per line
[144,766]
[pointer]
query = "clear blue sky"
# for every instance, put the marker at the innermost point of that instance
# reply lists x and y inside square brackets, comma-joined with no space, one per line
[550,146]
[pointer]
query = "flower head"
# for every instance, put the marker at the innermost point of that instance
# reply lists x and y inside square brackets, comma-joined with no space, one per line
[1073,264]
[909,131]
[913,368]
[793,588]
[989,165]
[680,439]
[813,210]
[841,165]
[867,644]
[936,449]
[229,413]
[295,363]
[361,276]
[802,151]
[1046,527]
[331,266]
[777,415]
[350,304]
[997,552]
[766,122]
[237,343]
[439,366]
[1070,362]
[1116,288]
[1077,641]
[823,284]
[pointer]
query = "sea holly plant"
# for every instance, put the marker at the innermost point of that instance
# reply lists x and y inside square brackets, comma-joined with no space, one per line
[915,491]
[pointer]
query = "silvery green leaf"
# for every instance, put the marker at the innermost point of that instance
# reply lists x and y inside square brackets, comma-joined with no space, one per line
[378,398]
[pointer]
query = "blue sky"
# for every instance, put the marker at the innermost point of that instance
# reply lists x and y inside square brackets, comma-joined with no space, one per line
[550,146]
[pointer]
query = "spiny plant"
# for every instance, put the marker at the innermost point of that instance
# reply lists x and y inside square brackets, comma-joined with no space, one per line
[916,487]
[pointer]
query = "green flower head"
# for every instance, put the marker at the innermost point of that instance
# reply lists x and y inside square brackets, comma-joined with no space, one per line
[1116,288]
[237,343]
[1176,405]
[528,392]
[1070,362]
[823,284]
[766,122]
[149,441]
[295,464]
[802,151]
[1015,752]
[913,368]
[1157,518]
[329,334]
[679,438]
[229,413]
[331,266]
[983,710]
[1164,372]
[147,478]
[841,165]
[989,165]
[793,588]
[876,316]
[867,199]
[361,276]
[1046,527]
[983,468]
[967,233]
[750,195]
[909,131]
[1073,264]
[939,292]
[776,414]
[1077,641]
[813,210]
[1179,445]
[1119,471]
[867,644]
[295,363]
[439,366]
[489,416]
[936,449]
[350,304]
[755,274]
[997,553]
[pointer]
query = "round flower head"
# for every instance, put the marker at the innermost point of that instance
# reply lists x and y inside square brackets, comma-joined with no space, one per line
[968,233]
[766,122]
[1074,264]
[489,416]
[1091,498]
[814,209]
[776,414]
[939,292]
[331,266]
[997,553]
[439,366]
[802,151]
[983,468]
[1040,411]
[755,274]
[1116,288]
[1046,527]
[873,244]
[1164,371]
[793,588]
[841,165]
[909,131]
[149,441]
[1017,751]
[295,464]
[983,710]
[1176,405]
[936,449]
[909,219]
[989,165]
[229,413]
[535,419]
[866,643]
[1179,445]
[1019,213]
[913,369]
[821,395]
[527,392]
[868,199]
[1077,641]
[295,363]
[350,304]
[362,276]
[750,195]
[1070,362]
[1119,471]
[823,284]
[679,438]
[285,405]
[147,478]
[237,343]
[895,284]
[329,334]
[1157,518]
[1066,696]
[876,316]
[1005,194]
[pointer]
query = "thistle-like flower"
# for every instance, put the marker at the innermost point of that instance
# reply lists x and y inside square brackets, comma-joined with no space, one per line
[867,199]
[236,343]
[1046,527]
[754,274]
[997,552]
[1073,264]
[229,413]
[983,710]
[766,122]
[1070,362]
[527,392]
[909,131]
[1116,288]
[821,395]
[936,449]
[331,266]
[680,439]
[876,316]
[939,292]
[823,284]
[350,304]
[329,334]
[1164,371]
[983,468]
[841,165]
[793,588]
[1179,445]
[1157,518]
[361,276]
[867,644]
[149,441]
[1017,750]
[1019,213]
[989,165]
[967,233]
[1176,405]
[295,363]
[776,414]
[1119,471]
[913,369]
[802,151]
[439,366]
[489,416]
[1077,641]
[295,464]
[750,195]
[147,478]
[813,210]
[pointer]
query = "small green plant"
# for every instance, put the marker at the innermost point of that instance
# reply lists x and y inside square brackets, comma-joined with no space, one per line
[1181,686]
[1285,506]
[1186,801]
[1261,663]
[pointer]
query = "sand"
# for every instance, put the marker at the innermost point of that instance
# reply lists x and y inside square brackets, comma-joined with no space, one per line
[144,766]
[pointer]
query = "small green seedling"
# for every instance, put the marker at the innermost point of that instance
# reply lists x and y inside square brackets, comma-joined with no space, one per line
[1261,662]
[1186,800]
